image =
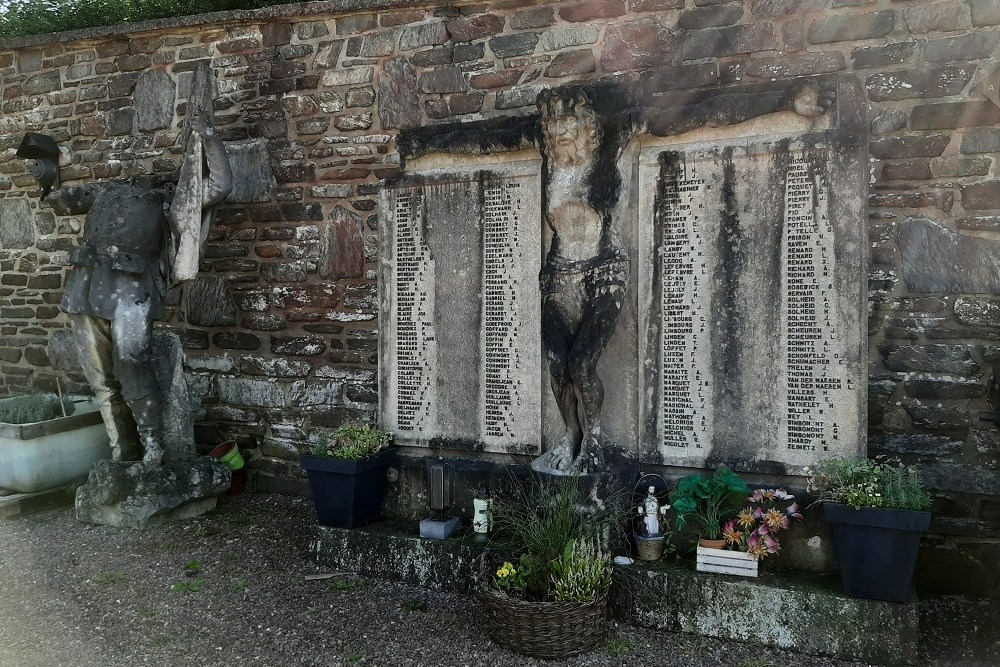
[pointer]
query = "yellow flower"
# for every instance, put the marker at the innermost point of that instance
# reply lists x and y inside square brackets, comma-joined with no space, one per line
[746,518]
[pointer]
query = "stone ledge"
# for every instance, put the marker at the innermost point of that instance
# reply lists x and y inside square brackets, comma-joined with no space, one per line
[301,9]
[789,610]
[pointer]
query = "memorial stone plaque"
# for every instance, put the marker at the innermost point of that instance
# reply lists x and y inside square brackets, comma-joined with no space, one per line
[461,308]
[750,304]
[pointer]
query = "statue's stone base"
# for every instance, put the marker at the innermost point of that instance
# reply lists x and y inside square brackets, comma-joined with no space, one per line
[130,495]
[615,481]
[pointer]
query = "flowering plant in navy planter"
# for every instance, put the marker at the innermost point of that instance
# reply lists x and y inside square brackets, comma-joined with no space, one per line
[347,474]
[877,510]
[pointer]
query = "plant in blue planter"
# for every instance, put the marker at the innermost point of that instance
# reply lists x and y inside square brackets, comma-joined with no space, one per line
[877,510]
[347,474]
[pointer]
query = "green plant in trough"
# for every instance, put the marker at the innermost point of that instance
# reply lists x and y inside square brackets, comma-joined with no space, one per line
[879,482]
[351,442]
[709,501]
[33,408]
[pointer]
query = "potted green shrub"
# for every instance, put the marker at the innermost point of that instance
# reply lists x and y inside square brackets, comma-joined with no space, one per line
[709,501]
[878,511]
[46,442]
[347,474]
[548,599]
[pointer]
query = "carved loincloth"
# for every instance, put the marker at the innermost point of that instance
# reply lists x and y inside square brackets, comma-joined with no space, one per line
[606,273]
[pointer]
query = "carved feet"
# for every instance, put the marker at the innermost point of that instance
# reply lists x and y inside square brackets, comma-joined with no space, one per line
[810,101]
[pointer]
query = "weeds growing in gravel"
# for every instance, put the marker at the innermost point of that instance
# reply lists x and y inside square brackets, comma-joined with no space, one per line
[414,605]
[618,647]
[238,586]
[107,578]
[192,586]
[192,566]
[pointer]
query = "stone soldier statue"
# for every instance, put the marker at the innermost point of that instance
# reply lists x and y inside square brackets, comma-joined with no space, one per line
[140,237]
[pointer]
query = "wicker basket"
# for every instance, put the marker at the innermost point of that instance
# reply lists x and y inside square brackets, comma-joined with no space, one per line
[545,629]
[649,548]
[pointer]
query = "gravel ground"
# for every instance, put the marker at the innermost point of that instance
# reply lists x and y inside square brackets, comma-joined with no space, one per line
[229,589]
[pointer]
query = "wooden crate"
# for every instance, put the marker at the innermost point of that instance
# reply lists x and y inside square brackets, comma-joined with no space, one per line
[722,561]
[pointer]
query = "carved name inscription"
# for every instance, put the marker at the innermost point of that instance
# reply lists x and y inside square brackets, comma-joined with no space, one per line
[414,317]
[816,378]
[750,344]
[461,352]
[502,338]
[685,347]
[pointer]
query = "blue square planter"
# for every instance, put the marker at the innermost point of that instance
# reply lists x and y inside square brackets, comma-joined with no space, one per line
[876,549]
[347,494]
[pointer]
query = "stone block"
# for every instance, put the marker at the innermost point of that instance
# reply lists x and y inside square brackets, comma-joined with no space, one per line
[509,46]
[275,368]
[41,83]
[851,27]
[958,166]
[251,393]
[349,25]
[952,115]
[765,9]
[563,37]
[131,495]
[961,478]
[937,16]
[918,145]
[469,28]
[928,81]
[532,18]
[445,80]
[253,180]
[985,12]
[710,17]
[398,100]
[17,228]
[981,196]
[915,443]
[974,46]
[945,388]
[932,358]
[306,392]
[981,140]
[236,340]
[208,303]
[154,97]
[424,34]
[342,251]
[350,76]
[907,171]
[716,42]
[578,12]
[637,45]
[571,63]
[796,65]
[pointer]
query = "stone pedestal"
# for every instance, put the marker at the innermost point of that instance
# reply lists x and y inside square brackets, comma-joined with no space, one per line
[131,495]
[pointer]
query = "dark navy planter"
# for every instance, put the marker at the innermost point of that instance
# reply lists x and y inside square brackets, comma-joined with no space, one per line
[347,494]
[876,549]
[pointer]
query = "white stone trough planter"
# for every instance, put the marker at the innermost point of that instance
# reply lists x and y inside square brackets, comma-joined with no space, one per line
[50,454]
[722,561]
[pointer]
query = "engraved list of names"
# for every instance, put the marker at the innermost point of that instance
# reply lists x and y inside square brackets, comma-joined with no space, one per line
[685,387]
[461,323]
[816,377]
[504,340]
[414,318]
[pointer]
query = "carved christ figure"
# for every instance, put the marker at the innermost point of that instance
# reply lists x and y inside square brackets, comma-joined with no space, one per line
[140,236]
[582,280]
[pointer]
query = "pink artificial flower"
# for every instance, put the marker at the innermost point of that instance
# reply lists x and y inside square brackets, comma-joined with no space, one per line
[793,511]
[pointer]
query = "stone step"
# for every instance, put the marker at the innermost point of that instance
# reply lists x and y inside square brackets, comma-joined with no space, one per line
[798,611]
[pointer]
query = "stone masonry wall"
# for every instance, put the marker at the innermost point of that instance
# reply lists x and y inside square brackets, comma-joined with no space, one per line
[280,328]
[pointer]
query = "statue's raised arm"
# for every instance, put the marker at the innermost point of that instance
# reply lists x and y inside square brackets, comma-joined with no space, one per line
[205,180]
